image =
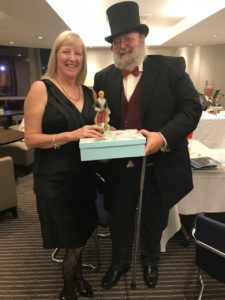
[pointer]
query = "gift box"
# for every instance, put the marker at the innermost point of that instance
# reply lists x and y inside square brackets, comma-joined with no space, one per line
[114,144]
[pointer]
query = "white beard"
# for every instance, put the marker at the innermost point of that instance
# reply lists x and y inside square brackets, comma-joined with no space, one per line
[137,57]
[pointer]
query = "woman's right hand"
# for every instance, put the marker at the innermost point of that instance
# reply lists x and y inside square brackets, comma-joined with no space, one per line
[87,131]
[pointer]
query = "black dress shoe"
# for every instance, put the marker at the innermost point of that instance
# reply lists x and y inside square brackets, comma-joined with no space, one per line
[112,277]
[84,288]
[151,275]
[67,296]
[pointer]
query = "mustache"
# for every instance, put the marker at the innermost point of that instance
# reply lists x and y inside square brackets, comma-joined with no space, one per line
[125,51]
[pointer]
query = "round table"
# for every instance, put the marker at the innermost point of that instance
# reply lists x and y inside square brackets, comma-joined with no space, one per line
[8,136]
[8,114]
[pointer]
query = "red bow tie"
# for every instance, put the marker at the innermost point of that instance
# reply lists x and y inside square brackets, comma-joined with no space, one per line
[135,72]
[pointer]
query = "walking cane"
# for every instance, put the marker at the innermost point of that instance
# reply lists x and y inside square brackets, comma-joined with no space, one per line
[139,209]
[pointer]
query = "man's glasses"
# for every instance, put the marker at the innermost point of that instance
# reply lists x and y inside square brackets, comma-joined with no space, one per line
[127,40]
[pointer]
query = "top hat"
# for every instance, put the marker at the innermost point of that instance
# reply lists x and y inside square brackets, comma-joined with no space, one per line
[123,18]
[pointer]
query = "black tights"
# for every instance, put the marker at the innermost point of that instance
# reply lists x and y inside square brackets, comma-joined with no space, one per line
[72,268]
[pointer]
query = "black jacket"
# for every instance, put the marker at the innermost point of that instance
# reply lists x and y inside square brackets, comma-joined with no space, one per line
[169,104]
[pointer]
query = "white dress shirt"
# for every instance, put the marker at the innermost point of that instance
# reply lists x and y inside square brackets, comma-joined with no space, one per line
[130,82]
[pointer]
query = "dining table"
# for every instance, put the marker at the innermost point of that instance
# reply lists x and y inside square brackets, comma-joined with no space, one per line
[8,115]
[211,130]
[9,135]
[207,195]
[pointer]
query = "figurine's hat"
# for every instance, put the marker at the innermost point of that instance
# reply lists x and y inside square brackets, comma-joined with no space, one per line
[124,18]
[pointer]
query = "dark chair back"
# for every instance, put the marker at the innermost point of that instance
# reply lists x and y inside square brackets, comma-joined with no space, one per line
[209,236]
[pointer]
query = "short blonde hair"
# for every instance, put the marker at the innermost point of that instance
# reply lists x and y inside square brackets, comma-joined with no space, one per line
[68,38]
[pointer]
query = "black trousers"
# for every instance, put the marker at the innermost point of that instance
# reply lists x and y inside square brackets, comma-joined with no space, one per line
[121,196]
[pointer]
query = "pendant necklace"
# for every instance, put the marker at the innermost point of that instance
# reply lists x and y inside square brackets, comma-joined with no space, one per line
[68,96]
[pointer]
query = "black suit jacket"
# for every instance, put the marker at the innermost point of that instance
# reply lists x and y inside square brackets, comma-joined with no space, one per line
[169,104]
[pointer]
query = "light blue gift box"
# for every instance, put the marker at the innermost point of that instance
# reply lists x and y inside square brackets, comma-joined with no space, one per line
[114,144]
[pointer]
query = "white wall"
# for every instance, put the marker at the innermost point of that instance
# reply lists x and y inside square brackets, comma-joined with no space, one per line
[192,57]
[213,66]
[203,63]
[97,59]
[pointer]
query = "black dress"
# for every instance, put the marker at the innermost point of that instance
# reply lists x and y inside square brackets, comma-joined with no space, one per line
[65,187]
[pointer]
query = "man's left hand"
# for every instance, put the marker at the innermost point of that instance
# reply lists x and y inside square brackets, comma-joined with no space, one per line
[154,141]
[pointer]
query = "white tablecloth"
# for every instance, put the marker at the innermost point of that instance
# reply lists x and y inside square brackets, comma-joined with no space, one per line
[211,130]
[208,194]
[173,226]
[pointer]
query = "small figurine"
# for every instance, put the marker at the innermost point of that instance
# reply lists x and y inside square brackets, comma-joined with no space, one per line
[102,111]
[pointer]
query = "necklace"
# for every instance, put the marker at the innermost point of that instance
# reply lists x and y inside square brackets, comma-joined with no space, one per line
[68,96]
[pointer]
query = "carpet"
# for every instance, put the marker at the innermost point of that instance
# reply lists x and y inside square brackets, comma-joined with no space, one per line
[27,271]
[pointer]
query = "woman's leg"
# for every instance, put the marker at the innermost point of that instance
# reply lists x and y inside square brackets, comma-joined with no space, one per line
[81,285]
[69,268]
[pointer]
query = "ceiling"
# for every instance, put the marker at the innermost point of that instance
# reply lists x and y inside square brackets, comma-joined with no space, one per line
[172,23]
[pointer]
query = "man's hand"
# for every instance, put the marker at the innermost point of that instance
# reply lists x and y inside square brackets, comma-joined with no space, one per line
[154,141]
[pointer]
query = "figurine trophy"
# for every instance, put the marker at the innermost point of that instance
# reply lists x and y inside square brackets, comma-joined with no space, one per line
[102,111]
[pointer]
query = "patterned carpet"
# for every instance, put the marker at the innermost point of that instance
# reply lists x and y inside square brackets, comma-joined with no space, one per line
[27,271]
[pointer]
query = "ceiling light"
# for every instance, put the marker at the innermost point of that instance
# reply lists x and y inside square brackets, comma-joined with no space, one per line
[215,35]
[11,43]
[40,37]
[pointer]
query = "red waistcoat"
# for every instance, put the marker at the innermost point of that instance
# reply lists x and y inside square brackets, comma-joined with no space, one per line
[131,111]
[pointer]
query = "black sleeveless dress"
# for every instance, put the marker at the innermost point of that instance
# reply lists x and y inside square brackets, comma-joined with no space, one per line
[65,187]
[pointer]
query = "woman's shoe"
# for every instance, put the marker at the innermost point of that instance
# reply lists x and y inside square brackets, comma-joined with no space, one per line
[65,296]
[83,288]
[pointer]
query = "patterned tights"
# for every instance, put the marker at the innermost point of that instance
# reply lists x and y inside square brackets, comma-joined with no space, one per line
[72,268]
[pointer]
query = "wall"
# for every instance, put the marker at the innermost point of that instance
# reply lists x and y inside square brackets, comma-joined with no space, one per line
[102,57]
[192,57]
[213,66]
[202,63]
[97,59]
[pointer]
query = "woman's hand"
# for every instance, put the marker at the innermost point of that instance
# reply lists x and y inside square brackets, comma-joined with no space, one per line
[87,131]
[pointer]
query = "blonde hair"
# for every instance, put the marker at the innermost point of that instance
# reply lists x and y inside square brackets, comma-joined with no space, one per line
[68,38]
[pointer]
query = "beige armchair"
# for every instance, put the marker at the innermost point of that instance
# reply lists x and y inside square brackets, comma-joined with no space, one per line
[20,153]
[8,197]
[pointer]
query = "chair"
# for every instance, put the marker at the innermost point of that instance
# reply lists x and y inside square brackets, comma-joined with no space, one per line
[84,265]
[20,153]
[102,223]
[209,236]
[8,197]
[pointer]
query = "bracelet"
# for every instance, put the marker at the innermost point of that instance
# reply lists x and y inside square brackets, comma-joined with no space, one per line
[54,142]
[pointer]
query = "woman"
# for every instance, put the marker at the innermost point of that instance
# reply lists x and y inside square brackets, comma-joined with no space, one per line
[58,112]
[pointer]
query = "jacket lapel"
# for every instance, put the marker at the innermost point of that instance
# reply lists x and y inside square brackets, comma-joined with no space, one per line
[149,78]
[115,93]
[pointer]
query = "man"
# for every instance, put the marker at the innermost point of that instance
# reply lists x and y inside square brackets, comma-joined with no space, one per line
[161,101]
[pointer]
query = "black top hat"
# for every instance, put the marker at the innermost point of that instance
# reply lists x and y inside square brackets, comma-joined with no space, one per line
[123,18]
